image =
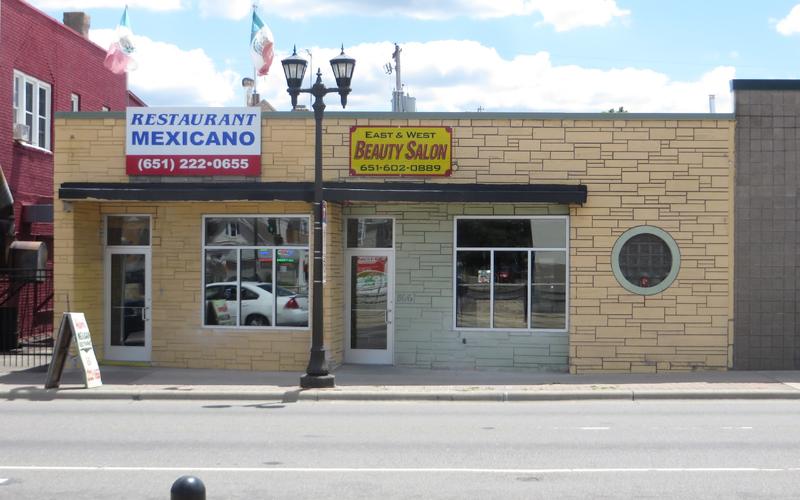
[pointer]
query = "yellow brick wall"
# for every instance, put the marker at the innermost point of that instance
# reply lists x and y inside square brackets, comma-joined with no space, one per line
[178,337]
[93,150]
[673,174]
[78,265]
[333,287]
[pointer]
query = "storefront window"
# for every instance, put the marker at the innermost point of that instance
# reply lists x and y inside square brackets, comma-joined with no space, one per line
[645,260]
[254,231]
[511,273]
[263,281]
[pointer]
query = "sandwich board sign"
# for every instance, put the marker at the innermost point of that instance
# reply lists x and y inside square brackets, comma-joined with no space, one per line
[73,325]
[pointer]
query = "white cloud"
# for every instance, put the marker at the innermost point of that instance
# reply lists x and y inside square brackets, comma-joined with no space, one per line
[229,9]
[791,23]
[158,5]
[563,15]
[170,75]
[443,76]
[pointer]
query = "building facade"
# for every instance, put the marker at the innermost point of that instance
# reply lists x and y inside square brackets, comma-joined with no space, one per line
[559,242]
[45,67]
[767,215]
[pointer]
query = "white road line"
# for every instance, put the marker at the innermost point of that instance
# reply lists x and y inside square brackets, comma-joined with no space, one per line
[397,469]
[594,428]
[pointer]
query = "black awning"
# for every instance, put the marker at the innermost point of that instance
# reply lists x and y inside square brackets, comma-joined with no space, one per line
[187,191]
[333,191]
[498,193]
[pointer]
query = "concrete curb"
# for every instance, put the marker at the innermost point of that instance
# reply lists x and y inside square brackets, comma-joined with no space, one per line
[320,395]
[714,395]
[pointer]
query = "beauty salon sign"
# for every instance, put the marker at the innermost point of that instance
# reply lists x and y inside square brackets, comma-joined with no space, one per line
[401,151]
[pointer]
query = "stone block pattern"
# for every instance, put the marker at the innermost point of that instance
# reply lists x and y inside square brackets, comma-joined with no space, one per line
[670,173]
[673,174]
[424,331]
[767,220]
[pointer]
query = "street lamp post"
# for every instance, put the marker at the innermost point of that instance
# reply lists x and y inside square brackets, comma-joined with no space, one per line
[294,67]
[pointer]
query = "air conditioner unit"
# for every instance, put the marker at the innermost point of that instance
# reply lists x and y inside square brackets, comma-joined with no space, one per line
[22,132]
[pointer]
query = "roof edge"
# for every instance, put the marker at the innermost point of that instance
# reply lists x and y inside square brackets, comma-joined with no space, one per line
[388,115]
[765,84]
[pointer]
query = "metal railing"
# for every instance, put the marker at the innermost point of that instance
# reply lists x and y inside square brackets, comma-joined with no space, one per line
[26,317]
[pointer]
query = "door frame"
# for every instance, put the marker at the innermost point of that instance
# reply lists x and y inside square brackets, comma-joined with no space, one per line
[370,356]
[128,353]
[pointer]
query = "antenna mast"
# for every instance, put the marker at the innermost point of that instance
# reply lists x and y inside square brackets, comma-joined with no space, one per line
[398,85]
[400,101]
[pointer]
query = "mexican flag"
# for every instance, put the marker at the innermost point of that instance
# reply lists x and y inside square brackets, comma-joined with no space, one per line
[119,57]
[261,43]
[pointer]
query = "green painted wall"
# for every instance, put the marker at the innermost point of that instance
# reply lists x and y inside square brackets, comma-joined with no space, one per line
[424,333]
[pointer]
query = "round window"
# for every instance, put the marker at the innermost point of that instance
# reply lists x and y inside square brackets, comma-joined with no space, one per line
[645,260]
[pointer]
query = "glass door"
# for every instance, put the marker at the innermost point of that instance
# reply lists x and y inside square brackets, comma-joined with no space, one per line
[370,304]
[127,333]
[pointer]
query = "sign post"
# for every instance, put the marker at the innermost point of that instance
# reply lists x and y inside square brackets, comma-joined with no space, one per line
[73,325]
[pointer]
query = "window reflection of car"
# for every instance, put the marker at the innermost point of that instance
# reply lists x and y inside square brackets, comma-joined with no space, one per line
[256,304]
[301,298]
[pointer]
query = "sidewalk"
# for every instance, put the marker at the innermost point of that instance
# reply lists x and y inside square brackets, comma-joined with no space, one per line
[386,383]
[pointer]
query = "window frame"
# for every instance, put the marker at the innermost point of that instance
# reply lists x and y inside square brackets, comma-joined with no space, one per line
[75,102]
[348,218]
[238,248]
[19,111]
[666,238]
[492,250]
[149,229]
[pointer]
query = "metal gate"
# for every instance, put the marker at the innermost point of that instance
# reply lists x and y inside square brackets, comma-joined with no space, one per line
[26,317]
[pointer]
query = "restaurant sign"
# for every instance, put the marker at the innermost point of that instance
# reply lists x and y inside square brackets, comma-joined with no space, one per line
[398,151]
[179,141]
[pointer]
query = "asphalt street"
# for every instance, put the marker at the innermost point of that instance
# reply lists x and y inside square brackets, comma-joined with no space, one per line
[599,449]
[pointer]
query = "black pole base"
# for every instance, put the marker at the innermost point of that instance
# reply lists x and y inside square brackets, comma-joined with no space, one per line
[317,381]
[188,488]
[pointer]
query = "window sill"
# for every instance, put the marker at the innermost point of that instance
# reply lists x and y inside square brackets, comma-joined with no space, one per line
[249,329]
[32,147]
[511,331]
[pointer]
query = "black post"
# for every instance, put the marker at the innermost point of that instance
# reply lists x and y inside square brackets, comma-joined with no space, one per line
[187,488]
[317,375]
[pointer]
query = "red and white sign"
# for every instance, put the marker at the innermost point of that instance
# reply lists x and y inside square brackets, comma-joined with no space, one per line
[173,141]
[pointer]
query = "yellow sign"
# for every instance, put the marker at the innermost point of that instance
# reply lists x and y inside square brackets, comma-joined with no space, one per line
[401,150]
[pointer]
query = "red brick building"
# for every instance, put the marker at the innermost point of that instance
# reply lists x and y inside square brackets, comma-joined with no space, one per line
[45,67]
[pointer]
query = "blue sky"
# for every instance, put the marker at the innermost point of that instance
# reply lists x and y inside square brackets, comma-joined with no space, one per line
[458,55]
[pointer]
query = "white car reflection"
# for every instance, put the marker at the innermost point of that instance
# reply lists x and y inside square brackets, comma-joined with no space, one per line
[256,304]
